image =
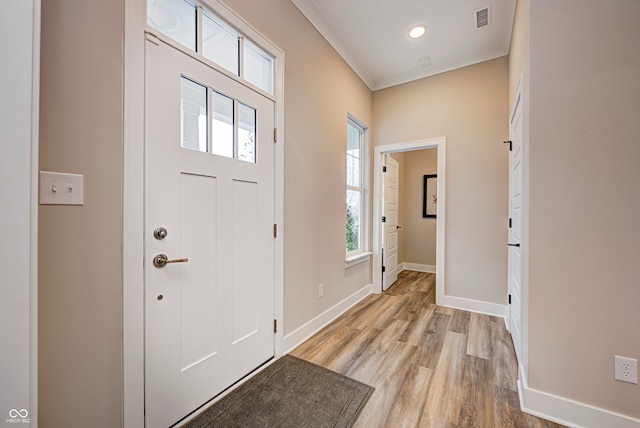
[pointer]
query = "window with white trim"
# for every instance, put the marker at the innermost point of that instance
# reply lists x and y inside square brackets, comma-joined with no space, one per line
[355,197]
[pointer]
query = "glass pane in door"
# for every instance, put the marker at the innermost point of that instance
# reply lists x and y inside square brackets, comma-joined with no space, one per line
[193,124]
[222,126]
[246,133]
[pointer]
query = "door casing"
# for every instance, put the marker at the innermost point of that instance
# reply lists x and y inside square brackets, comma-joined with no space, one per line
[378,209]
[133,196]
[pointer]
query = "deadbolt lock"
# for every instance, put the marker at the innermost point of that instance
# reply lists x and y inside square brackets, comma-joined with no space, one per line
[160,233]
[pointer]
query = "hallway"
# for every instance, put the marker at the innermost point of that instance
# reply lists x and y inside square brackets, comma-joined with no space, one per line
[431,366]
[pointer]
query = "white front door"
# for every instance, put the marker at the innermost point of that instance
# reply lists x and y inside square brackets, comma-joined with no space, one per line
[515,267]
[390,244]
[209,197]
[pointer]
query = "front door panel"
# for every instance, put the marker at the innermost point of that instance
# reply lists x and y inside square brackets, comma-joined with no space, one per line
[209,175]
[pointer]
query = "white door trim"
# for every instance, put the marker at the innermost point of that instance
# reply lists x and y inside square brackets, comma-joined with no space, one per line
[133,197]
[379,151]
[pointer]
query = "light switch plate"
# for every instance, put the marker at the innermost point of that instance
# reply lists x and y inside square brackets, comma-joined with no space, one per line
[61,189]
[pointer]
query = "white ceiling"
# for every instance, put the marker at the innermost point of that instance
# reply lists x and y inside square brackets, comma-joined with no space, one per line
[372,35]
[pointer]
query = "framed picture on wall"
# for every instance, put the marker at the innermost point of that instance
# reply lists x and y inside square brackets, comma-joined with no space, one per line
[430,196]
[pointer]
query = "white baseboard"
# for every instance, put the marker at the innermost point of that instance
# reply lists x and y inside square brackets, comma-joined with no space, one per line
[471,305]
[296,337]
[416,267]
[569,412]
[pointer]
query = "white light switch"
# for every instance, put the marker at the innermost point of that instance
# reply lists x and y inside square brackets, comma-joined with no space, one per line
[61,189]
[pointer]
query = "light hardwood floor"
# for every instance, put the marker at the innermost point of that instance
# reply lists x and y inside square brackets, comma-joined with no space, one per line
[431,366]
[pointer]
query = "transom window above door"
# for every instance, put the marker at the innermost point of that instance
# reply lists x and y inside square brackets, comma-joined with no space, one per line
[200,31]
[214,123]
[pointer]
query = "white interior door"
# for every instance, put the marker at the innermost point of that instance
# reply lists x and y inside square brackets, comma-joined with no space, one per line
[515,267]
[390,244]
[209,183]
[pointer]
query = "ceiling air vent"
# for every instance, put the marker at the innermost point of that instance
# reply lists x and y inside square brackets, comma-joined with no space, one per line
[482,17]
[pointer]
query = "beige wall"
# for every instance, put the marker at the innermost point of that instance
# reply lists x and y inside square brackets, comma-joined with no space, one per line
[80,267]
[585,205]
[417,238]
[320,89]
[469,106]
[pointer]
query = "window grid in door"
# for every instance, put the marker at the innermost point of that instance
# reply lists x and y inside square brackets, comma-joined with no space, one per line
[214,123]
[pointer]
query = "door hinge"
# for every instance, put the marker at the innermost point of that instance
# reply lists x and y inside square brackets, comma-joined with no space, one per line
[275,326]
[275,135]
[275,230]
[384,269]
[510,222]
[509,298]
[510,144]
[384,219]
[384,168]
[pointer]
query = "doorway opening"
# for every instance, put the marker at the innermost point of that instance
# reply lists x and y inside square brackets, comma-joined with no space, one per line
[378,208]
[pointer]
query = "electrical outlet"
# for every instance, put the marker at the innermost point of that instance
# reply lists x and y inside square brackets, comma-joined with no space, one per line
[626,369]
[320,291]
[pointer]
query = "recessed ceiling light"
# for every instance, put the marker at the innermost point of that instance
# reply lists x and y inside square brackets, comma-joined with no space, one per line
[417,31]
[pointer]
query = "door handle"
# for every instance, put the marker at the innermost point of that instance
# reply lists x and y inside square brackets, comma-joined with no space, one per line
[513,245]
[161,260]
[398,227]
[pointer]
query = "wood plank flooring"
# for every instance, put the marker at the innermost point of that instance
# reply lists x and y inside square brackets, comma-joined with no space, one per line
[431,366]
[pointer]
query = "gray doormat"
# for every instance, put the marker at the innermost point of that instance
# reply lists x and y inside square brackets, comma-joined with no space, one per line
[289,393]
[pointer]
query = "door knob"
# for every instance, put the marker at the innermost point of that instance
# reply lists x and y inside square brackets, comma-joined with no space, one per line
[513,245]
[161,260]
